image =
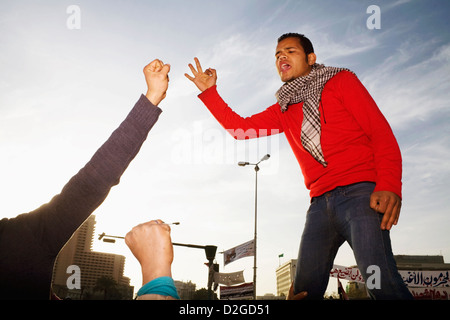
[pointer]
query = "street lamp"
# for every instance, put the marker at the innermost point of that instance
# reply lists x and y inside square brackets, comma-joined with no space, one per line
[243,164]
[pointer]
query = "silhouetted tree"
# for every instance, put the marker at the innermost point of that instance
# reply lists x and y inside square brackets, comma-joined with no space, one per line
[202,294]
[105,284]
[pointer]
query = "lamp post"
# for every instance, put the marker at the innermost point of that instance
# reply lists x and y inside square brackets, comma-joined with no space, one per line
[243,164]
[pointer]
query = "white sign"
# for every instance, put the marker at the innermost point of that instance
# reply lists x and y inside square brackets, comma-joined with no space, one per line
[229,279]
[425,278]
[346,273]
[240,251]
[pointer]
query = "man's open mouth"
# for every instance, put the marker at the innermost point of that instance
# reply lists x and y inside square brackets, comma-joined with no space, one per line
[284,67]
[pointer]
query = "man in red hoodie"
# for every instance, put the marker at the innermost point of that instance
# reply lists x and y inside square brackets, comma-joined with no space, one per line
[349,158]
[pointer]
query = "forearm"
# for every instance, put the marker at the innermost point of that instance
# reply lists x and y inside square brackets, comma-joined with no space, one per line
[261,124]
[90,186]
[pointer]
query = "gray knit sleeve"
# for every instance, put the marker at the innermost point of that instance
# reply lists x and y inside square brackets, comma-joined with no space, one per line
[90,186]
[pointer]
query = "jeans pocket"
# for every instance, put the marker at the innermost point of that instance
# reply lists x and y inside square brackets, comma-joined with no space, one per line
[359,189]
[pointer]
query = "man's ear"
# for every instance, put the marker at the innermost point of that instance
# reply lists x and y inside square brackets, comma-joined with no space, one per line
[311,58]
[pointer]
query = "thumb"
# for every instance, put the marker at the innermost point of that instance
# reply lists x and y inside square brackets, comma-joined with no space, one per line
[154,66]
[166,69]
[374,200]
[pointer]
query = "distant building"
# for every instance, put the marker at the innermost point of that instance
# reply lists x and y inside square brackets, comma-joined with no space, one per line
[407,262]
[285,275]
[93,265]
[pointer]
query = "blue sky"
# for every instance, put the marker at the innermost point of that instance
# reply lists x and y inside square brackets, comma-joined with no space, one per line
[63,92]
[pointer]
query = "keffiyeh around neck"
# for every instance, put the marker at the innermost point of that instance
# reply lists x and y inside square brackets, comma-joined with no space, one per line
[308,89]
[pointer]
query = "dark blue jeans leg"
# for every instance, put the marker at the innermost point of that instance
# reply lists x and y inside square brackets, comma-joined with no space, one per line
[360,226]
[318,247]
[344,214]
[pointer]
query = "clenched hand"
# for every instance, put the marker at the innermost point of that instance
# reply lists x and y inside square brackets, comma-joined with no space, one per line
[157,78]
[151,244]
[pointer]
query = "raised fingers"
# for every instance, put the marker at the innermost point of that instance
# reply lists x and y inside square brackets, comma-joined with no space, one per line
[194,72]
[199,67]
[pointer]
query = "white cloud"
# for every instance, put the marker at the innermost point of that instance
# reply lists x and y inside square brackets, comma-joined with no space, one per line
[406,90]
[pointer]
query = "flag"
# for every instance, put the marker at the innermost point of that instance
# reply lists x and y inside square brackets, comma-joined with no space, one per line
[281,255]
[244,250]
[229,279]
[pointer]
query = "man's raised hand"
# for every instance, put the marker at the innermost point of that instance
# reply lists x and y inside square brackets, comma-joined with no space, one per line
[151,244]
[203,80]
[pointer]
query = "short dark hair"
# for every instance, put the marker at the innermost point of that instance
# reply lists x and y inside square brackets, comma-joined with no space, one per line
[304,41]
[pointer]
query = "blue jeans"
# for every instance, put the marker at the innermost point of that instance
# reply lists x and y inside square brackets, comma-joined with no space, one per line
[344,214]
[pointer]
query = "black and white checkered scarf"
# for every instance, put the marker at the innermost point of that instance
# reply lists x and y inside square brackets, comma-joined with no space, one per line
[309,90]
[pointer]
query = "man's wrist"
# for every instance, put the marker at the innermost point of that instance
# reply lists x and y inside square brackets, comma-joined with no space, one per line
[154,98]
[155,271]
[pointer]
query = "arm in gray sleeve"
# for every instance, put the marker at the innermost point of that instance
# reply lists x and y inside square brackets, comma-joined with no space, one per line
[90,186]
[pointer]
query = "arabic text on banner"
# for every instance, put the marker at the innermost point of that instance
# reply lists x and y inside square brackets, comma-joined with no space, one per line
[229,279]
[346,273]
[441,293]
[435,278]
[412,279]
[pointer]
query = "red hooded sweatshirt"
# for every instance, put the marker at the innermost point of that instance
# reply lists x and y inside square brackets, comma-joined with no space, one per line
[357,141]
